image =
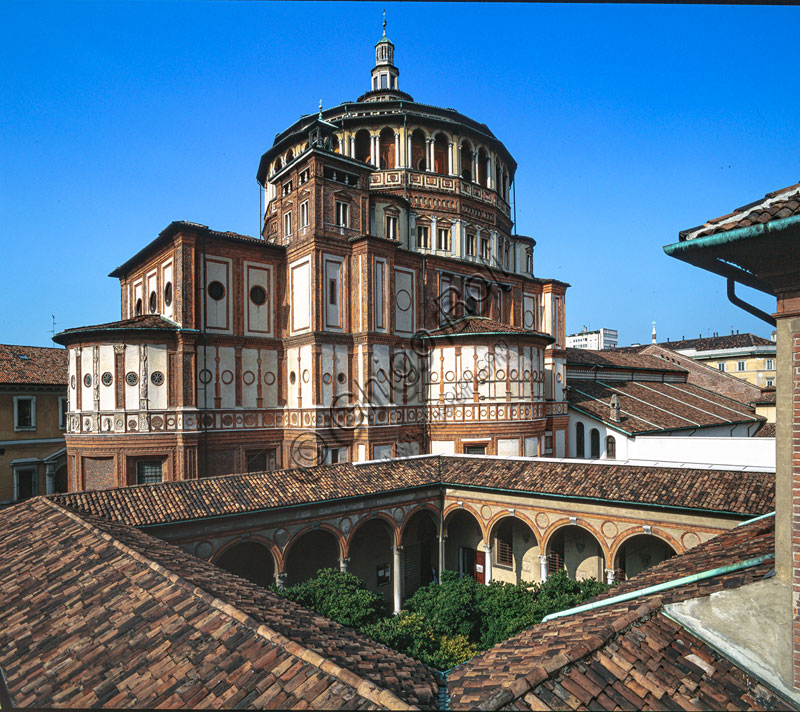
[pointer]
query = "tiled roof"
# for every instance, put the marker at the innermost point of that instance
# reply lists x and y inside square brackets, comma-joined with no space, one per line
[779,204]
[766,431]
[745,493]
[100,614]
[147,322]
[706,343]
[33,365]
[482,325]
[620,359]
[626,655]
[653,406]
[767,396]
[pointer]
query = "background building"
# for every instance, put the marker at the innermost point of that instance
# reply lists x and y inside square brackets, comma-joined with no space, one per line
[597,340]
[33,390]
[388,309]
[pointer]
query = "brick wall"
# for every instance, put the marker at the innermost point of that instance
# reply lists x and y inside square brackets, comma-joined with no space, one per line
[98,473]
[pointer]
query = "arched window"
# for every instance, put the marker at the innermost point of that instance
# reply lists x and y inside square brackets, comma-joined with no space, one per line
[418,161]
[611,448]
[594,443]
[466,161]
[386,148]
[482,167]
[580,449]
[363,146]
[440,154]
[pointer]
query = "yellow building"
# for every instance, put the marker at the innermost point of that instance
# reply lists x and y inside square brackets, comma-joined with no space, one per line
[745,356]
[33,390]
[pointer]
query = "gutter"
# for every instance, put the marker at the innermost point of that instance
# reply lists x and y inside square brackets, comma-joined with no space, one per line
[667,585]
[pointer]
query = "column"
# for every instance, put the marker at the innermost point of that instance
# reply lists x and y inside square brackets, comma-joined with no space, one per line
[50,475]
[352,147]
[543,567]
[489,172]
[487,566]
[343,563]
[450,158]
[474,166]
[374,144]
[397,149]
[442,540]
[280,579]
[495,248]
[458,238]
[429,155]
[610,576]
[397,569]
[433,237]
[408,151]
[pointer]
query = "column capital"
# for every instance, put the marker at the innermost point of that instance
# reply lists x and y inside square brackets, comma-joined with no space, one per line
[397,549]
[542,558]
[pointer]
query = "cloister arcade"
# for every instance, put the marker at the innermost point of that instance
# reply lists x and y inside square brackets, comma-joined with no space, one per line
[397,547]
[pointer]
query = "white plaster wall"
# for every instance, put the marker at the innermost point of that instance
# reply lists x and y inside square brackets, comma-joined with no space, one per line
[167,277]
[257,317]
[443,447]
[157,361]
[301,295]
[218,312]
[333,361]
[560,443]
[381,371]
[622,440]
[299,361]
[87,399]
[227,376]
[106,364]
[72,355]
[249,373]
[131,364]
[407,449]
[508,447]
[382,452]
[404,301]
[737,451]
[269,377]
[362,453]
[531,445]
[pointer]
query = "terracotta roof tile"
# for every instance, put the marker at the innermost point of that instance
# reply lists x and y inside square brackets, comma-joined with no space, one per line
[482,325]
[720,490]
[33,365]
[147,322]
[647,407]
[627,654]
[95,613]
[705,343]
[620,359]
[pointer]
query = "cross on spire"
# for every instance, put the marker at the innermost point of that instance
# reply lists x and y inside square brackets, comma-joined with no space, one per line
[384,22]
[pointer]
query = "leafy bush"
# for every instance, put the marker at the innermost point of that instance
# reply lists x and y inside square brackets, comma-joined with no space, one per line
[444,624]
[340,596]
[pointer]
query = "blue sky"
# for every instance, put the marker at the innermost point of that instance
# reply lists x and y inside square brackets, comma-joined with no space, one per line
[629,123]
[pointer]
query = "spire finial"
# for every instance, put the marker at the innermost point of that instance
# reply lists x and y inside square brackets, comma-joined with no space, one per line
[384,22]
[320,108]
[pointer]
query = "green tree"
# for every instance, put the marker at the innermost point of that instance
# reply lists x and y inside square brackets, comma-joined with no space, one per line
[340,596]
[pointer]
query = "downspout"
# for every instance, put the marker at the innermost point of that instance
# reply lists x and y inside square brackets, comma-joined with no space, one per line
[749,308]
[667,585]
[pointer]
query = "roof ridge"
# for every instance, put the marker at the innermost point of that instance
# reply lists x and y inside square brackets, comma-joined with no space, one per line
[364,688]
[515,689]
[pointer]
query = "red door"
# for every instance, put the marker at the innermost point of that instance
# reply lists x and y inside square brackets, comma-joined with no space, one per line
[480,563]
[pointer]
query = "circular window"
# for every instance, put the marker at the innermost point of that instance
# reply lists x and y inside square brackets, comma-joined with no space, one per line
[153,302]
[206,376]
[107,379]
[216,290]
[87,380]
[292,377]
[157,378]
[168,294]
[341,378]
[131,378]
[258,295]
[138,307]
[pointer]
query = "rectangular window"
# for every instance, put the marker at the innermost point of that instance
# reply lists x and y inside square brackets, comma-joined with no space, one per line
[529,262]
[721,365]
[383,81]
[304,214]
[384,574]
[770,365]
[24,413]
[287,188]
[25,483]
[262,460]
[423,236]
[474,449]
[342,214]
[470,245]
[287,224]
[391,227]
[303,177]
[770,383]
[443,239]
[505,546]
[148,472]
[740,365]
[63,407]
[333,289]
[485,249]
[380,283]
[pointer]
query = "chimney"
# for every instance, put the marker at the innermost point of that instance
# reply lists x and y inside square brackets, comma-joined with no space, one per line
[614,405]
[653,339]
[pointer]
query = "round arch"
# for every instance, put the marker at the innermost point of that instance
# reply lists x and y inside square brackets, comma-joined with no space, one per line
[363,146]
[419,539]
[634,552]
[577,547]
[419,159]
[251,559]
[382,516]
[515,548]
[450,509]
[386,148]
[464,547]
[369,554]
[311,549]
[483,159]
[465,160]
[440,148]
